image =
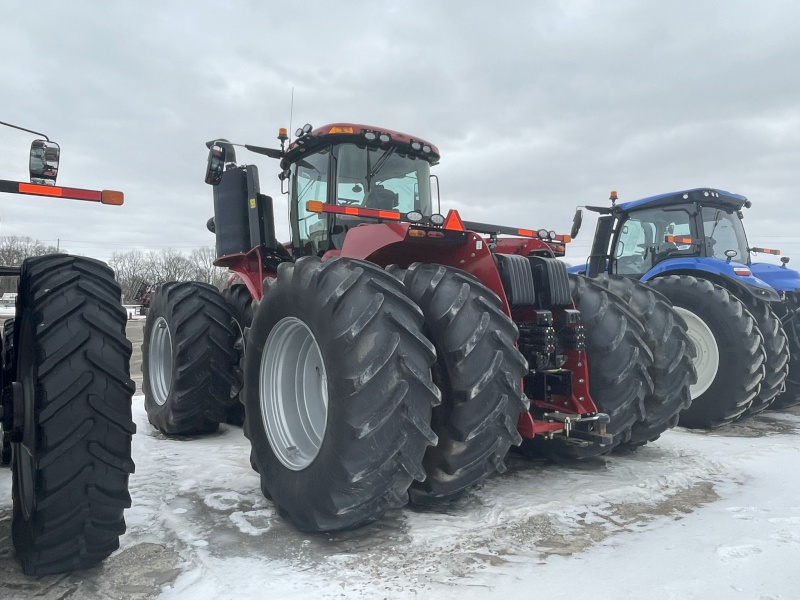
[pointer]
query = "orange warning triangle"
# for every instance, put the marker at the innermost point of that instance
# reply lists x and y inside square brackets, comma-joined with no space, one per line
[453,221]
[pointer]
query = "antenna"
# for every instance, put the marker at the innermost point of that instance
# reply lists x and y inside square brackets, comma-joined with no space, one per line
[291,110]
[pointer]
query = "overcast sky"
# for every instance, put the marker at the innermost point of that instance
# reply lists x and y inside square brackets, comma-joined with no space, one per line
[536,107]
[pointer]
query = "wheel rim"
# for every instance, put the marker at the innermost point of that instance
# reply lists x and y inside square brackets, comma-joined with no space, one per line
[706,359]
[160,361]
[293,393]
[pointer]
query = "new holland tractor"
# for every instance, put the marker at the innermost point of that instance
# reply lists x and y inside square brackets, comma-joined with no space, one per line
[742,315]
[389,353]
[66,396]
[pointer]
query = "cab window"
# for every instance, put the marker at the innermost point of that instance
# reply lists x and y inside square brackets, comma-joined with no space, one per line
[310,182]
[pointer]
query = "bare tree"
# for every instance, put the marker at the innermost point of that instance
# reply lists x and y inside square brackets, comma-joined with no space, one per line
[202,260]
[169,265]
[132,271]
[15,249]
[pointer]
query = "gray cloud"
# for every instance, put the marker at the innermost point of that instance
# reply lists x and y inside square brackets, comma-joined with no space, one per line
[536,107]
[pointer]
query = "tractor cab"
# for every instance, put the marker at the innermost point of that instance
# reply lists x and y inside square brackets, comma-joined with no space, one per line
[633,237]
[353,167]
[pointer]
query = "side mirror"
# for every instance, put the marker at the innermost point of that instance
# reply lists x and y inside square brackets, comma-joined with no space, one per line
[216,163]
[577,220]
[43,164]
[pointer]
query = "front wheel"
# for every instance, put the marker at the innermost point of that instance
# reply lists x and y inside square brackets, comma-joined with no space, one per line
[729,349]
[338,393]
[188,359]
[71,440]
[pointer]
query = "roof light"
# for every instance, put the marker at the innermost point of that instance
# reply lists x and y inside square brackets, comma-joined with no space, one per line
[298,132]
[340,129]
[384,137]
[416,146]
[370,135]
[307,128]
[426,149]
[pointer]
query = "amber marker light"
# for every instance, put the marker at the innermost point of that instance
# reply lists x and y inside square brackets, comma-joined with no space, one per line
[671,239]
[112,197]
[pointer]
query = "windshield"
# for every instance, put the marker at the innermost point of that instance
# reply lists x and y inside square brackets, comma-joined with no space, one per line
[642,240]
[382,178]
[724,231]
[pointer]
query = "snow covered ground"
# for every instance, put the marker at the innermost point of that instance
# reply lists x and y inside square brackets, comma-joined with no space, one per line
[694,515]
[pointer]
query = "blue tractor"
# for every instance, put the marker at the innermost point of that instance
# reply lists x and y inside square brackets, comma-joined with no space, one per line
[742,316]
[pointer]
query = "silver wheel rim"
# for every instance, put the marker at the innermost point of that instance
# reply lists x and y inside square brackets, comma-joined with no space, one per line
[706,360]
[160,361]
[293,393]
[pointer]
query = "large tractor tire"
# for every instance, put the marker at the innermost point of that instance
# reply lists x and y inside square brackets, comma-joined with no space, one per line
[7,374]
[619,364]
[188,359]
[776,346]
[240,303]
[672,371]
[71,439]
[479,371]
[730,351]
[338,393]
[791,396]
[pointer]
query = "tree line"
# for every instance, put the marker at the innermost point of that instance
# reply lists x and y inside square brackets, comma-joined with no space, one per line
[135,269]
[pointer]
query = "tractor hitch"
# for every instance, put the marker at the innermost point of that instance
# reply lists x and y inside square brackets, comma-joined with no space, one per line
[590,428]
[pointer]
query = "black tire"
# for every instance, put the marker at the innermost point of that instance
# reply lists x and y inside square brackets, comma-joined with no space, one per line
[7,372]
[731,387]
[619,363]
[479,372]
[373,366]
[791,395]
[240,303]
[672,371]
[188,359]
[776,346]
[72,438]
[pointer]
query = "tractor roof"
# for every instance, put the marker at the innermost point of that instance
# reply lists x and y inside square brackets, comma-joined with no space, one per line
[702,195]
[354,132]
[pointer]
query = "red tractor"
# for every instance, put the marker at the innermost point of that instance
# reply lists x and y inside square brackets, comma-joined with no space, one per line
[66,396]
[390,353]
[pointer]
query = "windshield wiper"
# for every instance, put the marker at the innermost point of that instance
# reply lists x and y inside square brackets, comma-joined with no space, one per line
[378,165]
